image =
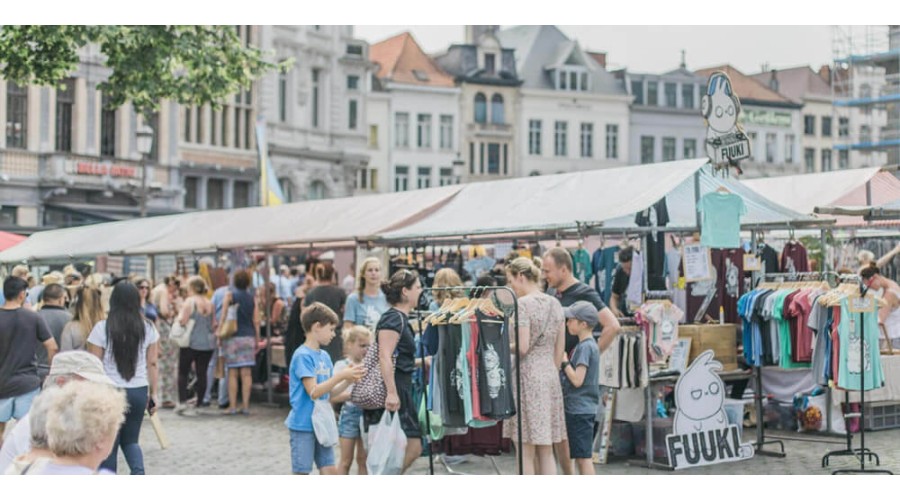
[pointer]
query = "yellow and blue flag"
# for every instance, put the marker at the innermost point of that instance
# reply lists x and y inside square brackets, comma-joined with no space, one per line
[270,191]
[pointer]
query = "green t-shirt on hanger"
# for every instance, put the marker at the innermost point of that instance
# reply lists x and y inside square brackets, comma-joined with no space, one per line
[721,219]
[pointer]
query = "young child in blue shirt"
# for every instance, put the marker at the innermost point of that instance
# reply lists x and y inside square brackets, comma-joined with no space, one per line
[311,378]
[581,385]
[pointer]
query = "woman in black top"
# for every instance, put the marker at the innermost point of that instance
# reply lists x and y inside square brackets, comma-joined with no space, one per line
[396,337]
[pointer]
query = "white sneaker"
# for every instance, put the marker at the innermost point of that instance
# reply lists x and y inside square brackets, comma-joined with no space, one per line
[180,408]
[189,412]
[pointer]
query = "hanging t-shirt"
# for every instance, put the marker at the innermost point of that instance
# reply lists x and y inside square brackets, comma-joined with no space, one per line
[769,258]
[581,260]
[495,383]
[794,258]
[721,219]
[860,356]
[452,411]
[730,270]
[620,288]
[634,293]
[603,265]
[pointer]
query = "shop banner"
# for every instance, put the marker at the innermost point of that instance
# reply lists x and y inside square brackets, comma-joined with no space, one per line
[726,142]
[701,434]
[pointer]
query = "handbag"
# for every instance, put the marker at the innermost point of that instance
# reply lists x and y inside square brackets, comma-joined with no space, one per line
[229,326]
[370,392]
[180,334]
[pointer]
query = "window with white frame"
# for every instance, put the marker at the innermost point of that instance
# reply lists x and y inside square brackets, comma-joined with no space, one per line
[493,158]
[771,146]
[423,178]
[480,108]
[789,143]
[826,160]
[572,79]
[843,159]
[17,116]
[353,114]
[497,114]
[423,128]
[652,93]
[647,149]
[401,130]
[809,160]
[534,137]
[668,149]
[687,95]
[446,132]
[560,140]
[690,149]
[587,140]
[612,141]
[671,90]
[401,178]
[446,176]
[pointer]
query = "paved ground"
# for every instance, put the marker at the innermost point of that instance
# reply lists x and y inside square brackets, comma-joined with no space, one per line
[258,444]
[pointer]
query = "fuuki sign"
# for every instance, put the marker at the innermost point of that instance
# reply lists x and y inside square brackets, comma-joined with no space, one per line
[726,142]
[101,169]
[701,432]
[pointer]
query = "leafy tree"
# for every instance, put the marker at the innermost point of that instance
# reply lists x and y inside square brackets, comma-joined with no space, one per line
[192,65]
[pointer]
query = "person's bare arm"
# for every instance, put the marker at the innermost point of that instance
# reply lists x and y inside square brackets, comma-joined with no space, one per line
[185,314]
[611,328]
[886,258]
[613,305]
[387,342]
[95,350]
[316,391]
[52,349]
[225,305]
[576,375]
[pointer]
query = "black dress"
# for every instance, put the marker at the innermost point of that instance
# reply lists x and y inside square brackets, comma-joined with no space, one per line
[404,366]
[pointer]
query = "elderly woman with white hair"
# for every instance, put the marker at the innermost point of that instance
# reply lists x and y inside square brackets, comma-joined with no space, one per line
[82,424]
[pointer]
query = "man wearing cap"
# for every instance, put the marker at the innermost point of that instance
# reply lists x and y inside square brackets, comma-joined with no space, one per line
[21,331]
[66,366]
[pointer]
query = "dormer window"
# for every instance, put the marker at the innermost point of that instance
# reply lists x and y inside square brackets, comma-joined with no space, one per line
[420,75]
[569,78]
[490,64]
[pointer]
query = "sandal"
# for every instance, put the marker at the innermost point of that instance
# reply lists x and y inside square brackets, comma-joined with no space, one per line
[229,413]
[245,412]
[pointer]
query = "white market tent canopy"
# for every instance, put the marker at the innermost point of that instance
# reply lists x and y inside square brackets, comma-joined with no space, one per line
[333,220]
[608,198]
[604,199]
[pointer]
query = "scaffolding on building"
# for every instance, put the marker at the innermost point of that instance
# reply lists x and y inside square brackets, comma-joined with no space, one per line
[865,85]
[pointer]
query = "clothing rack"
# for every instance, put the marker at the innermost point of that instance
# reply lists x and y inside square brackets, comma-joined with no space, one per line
[862,452]
[479,290]
[659,294]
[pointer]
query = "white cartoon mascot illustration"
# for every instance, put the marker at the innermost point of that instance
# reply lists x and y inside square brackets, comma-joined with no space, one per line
[721,108]
[699,396]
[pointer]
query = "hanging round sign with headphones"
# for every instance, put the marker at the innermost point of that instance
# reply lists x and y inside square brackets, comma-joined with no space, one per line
[726,142]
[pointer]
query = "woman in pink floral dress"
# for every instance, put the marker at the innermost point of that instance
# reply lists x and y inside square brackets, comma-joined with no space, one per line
[541,344]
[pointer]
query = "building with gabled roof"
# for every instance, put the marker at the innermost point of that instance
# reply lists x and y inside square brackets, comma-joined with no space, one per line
[413,119]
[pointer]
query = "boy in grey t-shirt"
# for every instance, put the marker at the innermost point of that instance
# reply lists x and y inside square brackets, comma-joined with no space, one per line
[581,385]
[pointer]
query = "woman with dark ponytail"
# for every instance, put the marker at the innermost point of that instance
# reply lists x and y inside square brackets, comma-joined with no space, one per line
[128,346]
[394,336]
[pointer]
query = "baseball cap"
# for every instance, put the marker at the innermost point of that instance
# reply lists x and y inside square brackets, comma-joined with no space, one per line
[582,311]
[81,363]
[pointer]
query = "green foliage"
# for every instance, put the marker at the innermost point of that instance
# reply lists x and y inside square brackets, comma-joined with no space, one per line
[192,65]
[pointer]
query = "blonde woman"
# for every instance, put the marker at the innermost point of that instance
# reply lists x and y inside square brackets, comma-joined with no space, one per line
[202,342]
[541,344]
[445,278]
[88,311]
[366,305]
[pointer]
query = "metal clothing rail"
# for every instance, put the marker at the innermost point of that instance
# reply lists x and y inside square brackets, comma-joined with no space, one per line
[515,312]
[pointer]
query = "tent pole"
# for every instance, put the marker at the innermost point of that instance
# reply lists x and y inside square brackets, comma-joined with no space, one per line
[697,198]
[268,312]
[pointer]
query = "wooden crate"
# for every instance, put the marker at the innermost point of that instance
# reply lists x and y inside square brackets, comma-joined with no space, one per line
[722,339]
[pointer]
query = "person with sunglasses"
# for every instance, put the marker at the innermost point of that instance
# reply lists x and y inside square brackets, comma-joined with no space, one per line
[150,311]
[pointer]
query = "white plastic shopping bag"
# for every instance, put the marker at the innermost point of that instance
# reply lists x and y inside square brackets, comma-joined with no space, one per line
[324,424]
[387,446]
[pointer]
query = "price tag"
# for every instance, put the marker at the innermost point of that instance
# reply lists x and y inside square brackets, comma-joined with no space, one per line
[862,304]
[752,262]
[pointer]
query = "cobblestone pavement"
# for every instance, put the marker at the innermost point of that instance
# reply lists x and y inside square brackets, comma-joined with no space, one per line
[258,444]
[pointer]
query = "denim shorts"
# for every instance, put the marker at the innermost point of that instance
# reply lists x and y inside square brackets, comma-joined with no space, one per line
[580,430]
[17,407]
[304,449]
[348,424]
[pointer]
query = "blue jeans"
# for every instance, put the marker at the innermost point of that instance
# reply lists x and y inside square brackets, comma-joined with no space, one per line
[130,433]
[17,407]
[305,450]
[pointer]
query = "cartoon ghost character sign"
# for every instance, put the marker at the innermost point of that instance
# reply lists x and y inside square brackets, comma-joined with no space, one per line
[701,432]
[726,142]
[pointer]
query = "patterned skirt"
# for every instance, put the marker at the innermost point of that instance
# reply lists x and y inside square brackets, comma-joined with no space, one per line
[240,352]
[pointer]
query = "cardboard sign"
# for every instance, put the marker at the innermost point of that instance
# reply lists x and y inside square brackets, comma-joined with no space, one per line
[678,360]
[861,304]
[701,434]
[752,262]
[697,263]
[726,142]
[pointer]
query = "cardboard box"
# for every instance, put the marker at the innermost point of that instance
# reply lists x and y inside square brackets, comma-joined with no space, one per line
[722,339]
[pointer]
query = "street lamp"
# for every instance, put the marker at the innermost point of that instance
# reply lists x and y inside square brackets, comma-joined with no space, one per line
[144,136]
[458,168]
